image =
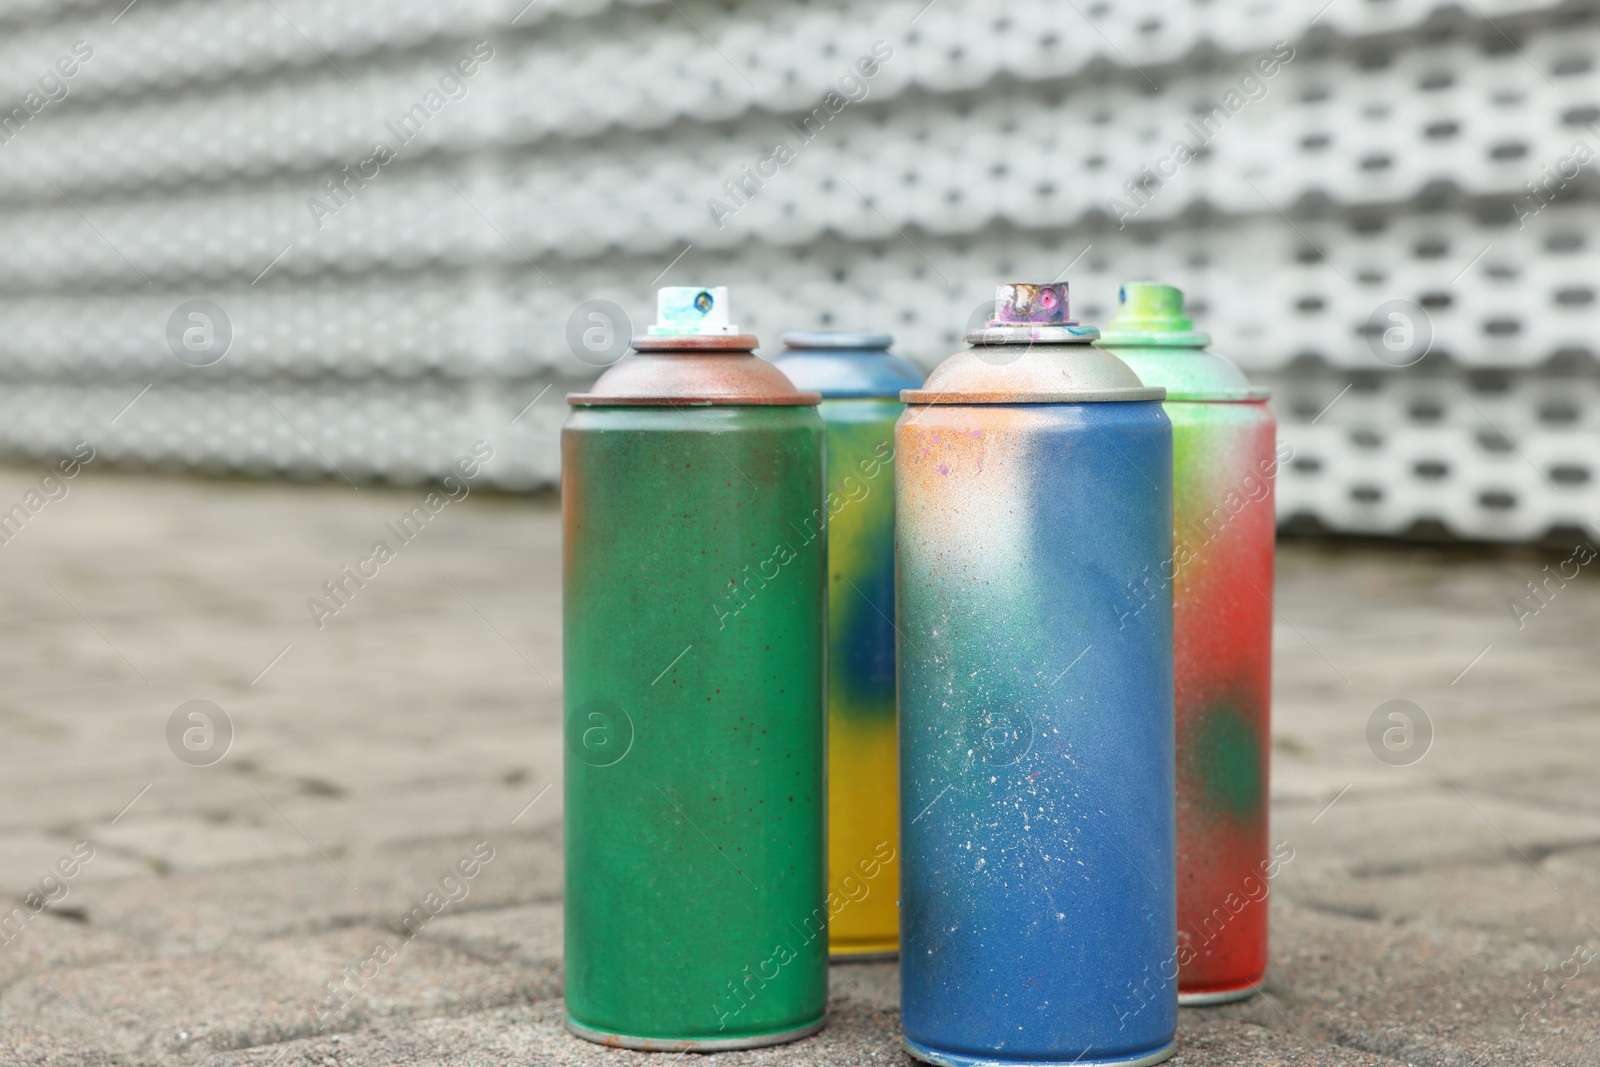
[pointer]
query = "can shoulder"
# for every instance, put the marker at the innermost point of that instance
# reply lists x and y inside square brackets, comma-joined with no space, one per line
[846,374]
[692,419]
[1188,374]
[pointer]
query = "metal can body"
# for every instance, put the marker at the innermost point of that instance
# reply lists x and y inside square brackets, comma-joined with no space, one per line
[1036,733]
[1224,531]
[863,779]
[860,382]
[694,608]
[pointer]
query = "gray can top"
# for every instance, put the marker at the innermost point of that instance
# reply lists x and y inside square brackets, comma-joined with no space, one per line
[1031,352]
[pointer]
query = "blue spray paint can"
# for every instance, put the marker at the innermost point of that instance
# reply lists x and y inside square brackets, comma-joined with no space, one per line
[1034,482]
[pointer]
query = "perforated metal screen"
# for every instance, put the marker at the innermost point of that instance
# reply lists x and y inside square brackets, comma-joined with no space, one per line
[1305,174]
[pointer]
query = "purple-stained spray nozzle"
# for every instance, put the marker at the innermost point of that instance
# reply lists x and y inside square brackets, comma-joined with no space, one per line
[1026,304]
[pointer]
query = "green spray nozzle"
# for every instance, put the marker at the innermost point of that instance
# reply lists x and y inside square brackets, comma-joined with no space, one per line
[1153,336]
[1150,307]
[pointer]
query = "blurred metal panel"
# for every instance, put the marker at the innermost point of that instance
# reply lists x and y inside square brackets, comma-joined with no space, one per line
[399,206]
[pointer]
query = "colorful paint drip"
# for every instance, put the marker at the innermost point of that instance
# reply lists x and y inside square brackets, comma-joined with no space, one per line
[860,383]
[694,599]
[1220,581]
[1036,724]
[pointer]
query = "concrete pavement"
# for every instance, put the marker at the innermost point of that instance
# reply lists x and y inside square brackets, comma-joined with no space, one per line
[1443,911]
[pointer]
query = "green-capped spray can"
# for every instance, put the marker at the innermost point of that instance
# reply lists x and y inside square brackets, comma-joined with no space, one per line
[695,623]
[1219,579]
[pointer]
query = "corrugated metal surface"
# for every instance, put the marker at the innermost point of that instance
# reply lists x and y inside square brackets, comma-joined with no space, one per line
[1376,156]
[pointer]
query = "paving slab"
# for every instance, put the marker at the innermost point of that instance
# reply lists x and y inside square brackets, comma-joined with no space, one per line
[195,911]
[1432,914]
[1420,994]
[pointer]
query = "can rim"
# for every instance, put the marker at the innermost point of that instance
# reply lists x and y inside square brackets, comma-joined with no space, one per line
[1095,396]
[1253,395]
[836,341]
[956,1059]
[720,1044]
[793,400]
[1022,333]
[1113,337]
[695,342]
[1224,996]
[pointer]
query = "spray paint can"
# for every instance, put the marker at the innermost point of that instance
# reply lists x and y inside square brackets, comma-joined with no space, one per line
[860,384]
[1224,460]
[695,621]
[1034,482]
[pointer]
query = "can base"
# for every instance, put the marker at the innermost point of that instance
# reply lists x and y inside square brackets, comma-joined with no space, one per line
[1220,996]
[958,1059]
[720,1044]
[862,955]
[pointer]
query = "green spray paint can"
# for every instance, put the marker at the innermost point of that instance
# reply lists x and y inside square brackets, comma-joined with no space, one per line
[695,630]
